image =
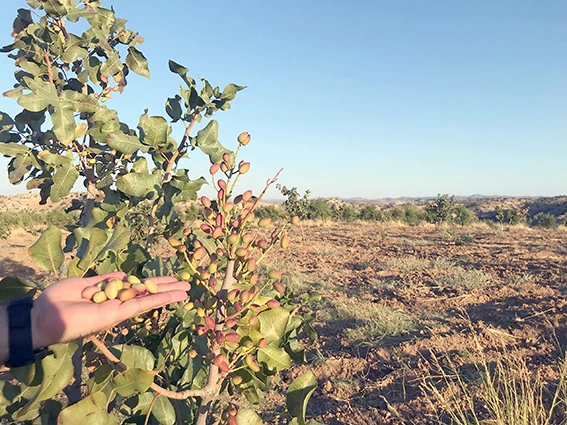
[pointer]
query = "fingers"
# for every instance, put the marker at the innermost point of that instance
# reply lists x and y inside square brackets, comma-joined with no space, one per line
[174,286]
[163,279]
[90,281]
[140,305]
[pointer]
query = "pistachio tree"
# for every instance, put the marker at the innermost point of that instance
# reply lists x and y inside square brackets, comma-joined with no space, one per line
[208,360]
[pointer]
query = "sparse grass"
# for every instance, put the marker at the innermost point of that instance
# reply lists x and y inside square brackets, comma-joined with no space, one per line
[518,281]
[365,322]
[442,263]
[407,264]
[30,220]
[461,279]
[507,391]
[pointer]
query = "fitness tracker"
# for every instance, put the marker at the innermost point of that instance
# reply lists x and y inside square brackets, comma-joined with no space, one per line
[20,334]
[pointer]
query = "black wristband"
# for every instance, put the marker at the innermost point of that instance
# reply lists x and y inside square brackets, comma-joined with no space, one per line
[20,333]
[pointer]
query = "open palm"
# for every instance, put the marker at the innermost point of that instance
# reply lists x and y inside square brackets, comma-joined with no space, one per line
[60,314]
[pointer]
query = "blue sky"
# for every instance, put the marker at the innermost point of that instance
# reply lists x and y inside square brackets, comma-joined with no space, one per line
[368,98]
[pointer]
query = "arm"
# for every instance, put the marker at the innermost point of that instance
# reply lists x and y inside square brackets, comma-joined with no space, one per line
[60,314]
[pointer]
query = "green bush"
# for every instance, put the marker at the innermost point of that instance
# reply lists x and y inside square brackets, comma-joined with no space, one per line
[440,210]
[463,216]
[272,211]
[345,212]
[413,215]
[545,220]
[369,213]
[319,209]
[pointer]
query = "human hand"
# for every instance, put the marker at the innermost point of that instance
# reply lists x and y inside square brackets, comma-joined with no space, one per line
[60,314]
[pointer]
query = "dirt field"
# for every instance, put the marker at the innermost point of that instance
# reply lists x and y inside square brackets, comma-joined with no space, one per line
[403,306]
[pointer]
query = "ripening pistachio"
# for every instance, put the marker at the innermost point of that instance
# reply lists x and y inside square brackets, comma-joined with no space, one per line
[111,289]
[236,380]
[199,253]
[201,330]
[224,367]
[262,244]
[242,252]
[226,157]
[254,320]
[231,322]
[295,220]
[206,202]
[219,220]
[127,294]
[273,304]
[278,286]
[92,161]
[221,194]
[140,287]
[224,167]
[192,354]
[221,358]
[244,138]
[188,306]
[217,233]
[99,297]
[210,322]
[246,196]
[214,168]
[238,199]
[251,363]
[213,267]
[232,336]
[262,343]
[228,207]
[181,248]
[174,243]
[245,296]
[284,243]
[89,291]
[251,264]
[236,223]
[274,274]
[231,296]
[254,278]
[247,342]
[151,286]
[206,228]
[222,184]
[247,237]
[238,306]
[243,167]
[133,280]
[185,275]
[186,232]
[201,312]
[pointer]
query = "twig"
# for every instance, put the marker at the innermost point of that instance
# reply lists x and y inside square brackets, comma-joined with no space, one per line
[150,409]
[182,395]
[259,198]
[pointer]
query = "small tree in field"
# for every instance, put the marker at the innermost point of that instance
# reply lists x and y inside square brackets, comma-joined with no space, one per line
[207,361]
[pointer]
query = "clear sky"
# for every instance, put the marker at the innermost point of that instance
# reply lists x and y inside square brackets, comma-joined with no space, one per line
[366,98]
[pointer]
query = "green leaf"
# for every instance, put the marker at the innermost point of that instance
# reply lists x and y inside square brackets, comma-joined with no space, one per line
[163,411]
[78,102]
[18,168]
[13,149]
[139,185]
[53,158]
[173,108]
[207,141]
[273,323]
[229,92]
[64,125]
[157,131]
[97,239]
[124,143]
[111,66]
[298,395]
[275,358]
[134,356]
[248,417]
[74,49]
[137,62]
[63,181]
[182,72]
[93,403]
[140,166]
[11,288]
[100,378]
[43,94]
[47,253]
[118,241]
[56,373]
[133,381]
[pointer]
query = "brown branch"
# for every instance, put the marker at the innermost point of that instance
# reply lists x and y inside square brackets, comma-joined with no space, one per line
[182,395]
[49,66]
[150,409]
[259,198]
